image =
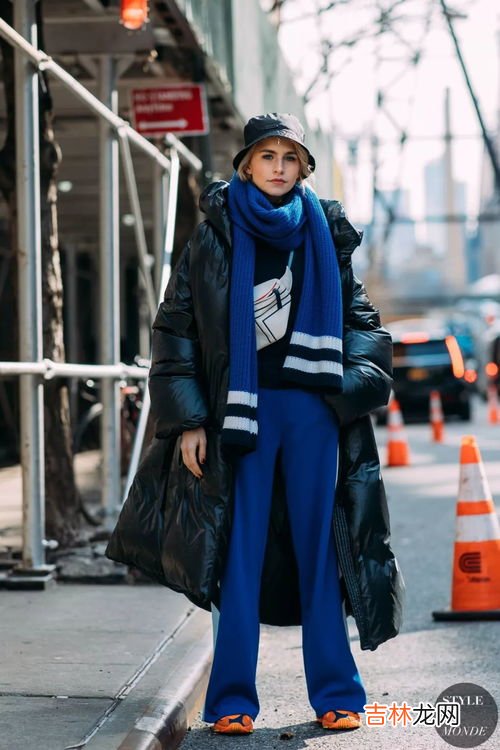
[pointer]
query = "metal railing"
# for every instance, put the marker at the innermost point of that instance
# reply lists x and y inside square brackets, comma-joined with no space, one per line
[116,137]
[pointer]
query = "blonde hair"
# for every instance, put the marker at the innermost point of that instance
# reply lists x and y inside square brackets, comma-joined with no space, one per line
[304,171]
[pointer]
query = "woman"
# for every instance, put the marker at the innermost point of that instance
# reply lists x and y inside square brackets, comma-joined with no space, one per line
[267,358]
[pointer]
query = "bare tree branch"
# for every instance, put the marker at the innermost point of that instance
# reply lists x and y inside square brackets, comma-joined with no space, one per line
[319,11]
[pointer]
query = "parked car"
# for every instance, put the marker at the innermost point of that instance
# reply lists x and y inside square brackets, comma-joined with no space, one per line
[427,357]
[489,359]
[483,321]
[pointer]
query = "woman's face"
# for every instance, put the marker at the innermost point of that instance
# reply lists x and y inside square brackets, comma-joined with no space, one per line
[274,167]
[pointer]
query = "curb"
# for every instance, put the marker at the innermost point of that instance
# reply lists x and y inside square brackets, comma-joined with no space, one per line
[157,711]
[164,725]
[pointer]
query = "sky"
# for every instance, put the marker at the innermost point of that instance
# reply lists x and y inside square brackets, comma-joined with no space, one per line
[415,98]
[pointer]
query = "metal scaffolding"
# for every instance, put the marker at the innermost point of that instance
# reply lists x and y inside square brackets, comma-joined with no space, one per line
[116,139]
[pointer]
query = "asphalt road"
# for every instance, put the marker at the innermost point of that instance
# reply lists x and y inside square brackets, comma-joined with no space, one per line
[427,657]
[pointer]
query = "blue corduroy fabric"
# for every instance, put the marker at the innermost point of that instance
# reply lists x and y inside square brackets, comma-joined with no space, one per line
[314,356]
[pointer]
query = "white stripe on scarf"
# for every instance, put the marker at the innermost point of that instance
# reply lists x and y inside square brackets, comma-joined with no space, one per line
[305,365]
[243,398]
[316,342]
[240,423]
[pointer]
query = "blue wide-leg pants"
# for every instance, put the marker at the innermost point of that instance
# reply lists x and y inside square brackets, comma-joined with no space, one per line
[303,427]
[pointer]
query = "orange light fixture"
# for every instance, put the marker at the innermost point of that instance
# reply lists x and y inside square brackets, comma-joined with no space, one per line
[457,361]
[491,370]
[134,13]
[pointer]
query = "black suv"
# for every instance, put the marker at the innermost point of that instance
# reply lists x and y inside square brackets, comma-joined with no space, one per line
[427,357]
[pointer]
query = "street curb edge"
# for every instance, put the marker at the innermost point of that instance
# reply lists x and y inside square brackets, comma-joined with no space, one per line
[164,724]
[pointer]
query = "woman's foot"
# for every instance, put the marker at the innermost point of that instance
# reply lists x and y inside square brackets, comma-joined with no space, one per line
[339,720]
[234,724]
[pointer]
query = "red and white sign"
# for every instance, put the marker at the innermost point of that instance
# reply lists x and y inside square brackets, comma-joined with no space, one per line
[174,108]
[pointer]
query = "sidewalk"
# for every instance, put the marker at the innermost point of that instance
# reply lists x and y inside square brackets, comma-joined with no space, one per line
[78,657]
[100,667]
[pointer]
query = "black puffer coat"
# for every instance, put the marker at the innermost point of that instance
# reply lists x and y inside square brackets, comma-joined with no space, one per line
[176,527]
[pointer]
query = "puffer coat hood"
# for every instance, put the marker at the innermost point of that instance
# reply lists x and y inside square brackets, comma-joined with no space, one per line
[176,527]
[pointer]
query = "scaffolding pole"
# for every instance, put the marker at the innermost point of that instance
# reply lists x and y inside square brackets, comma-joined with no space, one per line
[168,246]
[160,198]
[33,571]
[109,292]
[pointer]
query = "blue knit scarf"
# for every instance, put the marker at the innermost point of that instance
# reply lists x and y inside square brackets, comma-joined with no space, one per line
[314,357]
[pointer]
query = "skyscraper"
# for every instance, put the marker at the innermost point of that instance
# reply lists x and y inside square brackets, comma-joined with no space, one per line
[437,207]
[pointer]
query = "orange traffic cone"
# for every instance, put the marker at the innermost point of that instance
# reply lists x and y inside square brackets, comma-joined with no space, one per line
[398,452]
[437,419]
[492,404]
[475,591]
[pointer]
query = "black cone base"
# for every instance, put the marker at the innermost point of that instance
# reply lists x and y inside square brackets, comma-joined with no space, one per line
[464,615]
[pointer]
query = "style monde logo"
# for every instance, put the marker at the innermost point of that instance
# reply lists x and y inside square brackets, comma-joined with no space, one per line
[464,715]
[475,715]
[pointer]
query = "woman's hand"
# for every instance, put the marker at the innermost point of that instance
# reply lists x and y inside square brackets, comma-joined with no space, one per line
[194,450]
